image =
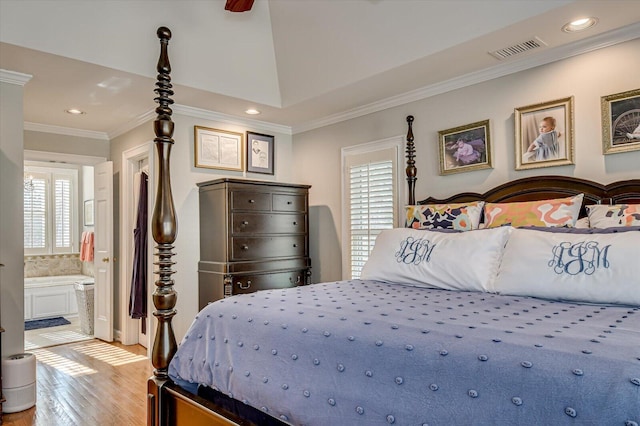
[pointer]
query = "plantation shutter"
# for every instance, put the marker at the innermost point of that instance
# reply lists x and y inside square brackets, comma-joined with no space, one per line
[35,212]
[63,202]
[371,208]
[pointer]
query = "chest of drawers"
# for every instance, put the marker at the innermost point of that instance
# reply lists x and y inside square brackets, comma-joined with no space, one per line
[254,235]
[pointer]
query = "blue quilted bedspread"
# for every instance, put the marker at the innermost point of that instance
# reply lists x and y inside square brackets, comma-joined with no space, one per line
[371,353]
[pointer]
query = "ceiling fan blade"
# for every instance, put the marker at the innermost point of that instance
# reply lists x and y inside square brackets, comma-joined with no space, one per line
[238,5]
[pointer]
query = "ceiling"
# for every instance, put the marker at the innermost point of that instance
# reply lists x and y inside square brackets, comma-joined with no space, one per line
[302,63]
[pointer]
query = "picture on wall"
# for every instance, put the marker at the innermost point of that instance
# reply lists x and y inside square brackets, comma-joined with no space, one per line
[260,153]
[621,122]
[465,148]
[544,134]
[218,149]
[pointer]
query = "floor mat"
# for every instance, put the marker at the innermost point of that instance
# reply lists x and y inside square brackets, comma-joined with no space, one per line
[44,323]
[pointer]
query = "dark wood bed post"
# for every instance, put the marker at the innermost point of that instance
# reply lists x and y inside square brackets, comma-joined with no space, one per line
[411,163]
[163,226]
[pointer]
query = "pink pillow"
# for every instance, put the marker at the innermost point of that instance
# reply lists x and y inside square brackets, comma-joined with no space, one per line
[556,212]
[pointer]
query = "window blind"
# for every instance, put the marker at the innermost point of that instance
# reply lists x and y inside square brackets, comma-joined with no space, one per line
[62,211]
[35,212]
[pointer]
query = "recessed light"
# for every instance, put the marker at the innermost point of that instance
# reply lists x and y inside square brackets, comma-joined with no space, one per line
[579,25]
[252,111]
[74,111]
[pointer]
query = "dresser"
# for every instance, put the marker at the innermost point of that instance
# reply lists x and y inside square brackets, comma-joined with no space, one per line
[254,235]
[1,396]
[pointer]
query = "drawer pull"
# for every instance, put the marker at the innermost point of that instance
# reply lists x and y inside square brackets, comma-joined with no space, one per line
[298,279]
[251,201]
[295,223]
[245,222]
[295,245]
[289,202]
[245,247]
[244,286]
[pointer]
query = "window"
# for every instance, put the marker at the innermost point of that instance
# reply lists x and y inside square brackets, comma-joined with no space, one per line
[370,194]
[50,210]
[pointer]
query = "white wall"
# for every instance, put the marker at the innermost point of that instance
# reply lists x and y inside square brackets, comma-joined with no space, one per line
[586,77]
[65,144]
[184,177]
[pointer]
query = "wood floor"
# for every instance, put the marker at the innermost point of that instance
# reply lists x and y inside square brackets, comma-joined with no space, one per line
[88,383]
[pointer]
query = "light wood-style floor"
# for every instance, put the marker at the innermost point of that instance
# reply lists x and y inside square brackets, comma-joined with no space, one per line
[88,383]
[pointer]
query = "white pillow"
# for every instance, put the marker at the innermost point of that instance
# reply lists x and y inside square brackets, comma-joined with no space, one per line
[599,268]
[582,223]
[450,260]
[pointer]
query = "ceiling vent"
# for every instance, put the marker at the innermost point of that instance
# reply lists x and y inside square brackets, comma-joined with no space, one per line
[517,49]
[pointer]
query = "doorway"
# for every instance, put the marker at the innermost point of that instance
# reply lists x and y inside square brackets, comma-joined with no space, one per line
[134,162]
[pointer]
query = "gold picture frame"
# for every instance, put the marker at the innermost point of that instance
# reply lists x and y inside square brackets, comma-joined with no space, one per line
[621,122]
[218,149]
[465,148]
[536,148]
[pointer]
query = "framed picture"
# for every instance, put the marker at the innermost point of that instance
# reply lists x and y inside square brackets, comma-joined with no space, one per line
[218,149]
[544,134]
[465,148]
[260,153]
[621,122]
[88,213]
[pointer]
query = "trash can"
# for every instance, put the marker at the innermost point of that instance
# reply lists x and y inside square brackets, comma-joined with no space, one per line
[84,296]
[19,382]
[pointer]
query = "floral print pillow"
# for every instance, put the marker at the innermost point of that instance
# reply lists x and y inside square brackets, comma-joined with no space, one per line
[457,216]
[603,216]
[556,212]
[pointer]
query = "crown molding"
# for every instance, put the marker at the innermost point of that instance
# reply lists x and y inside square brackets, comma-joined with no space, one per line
[58,130]
[139,120]
[13,77]
[231,119]
[600,41]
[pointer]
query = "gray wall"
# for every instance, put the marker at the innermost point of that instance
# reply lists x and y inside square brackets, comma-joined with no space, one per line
[65,144]
[586,77]
[11,219]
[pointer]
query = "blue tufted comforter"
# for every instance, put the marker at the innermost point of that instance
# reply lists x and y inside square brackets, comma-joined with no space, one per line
[372,353]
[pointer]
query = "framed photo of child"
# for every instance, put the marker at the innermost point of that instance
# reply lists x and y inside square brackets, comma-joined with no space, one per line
[544,134]
[465,148]
[621,122]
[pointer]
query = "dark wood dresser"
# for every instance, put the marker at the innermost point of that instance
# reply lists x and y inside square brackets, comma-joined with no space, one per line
[254,235]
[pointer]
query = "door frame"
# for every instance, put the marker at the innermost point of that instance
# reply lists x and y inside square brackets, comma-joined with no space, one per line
[130,161]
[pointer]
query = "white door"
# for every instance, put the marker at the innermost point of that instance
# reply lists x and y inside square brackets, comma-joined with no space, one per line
[103,251]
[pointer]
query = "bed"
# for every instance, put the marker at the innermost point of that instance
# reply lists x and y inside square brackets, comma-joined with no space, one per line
[462,349]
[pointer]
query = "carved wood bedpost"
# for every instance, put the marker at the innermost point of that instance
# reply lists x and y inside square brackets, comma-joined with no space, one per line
[411,163]
[163,226]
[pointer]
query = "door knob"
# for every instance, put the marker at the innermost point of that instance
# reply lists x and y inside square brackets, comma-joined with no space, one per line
[105,259]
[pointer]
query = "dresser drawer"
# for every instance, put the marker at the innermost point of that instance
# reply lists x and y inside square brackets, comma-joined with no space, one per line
[249,200]
[265,223]
[250,283]
[247,248]
[289,203]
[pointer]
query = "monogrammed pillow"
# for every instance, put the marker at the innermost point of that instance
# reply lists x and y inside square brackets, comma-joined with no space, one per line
[453,261]
[597,268]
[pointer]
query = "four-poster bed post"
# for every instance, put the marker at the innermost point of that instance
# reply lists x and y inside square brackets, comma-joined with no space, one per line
[164,228]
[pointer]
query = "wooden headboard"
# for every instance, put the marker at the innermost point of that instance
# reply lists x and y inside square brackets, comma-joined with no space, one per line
[532,188]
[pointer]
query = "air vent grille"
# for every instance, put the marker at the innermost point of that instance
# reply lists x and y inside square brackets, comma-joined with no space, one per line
[517,49]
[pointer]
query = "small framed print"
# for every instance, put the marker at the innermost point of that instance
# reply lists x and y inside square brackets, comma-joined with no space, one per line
[218,149]
[544,134]
[88,213]
[621,122]
[465,148]
[260,153]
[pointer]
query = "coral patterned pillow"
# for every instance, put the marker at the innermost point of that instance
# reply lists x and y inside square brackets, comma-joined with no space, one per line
[459,216]
[603,216]
[556,212]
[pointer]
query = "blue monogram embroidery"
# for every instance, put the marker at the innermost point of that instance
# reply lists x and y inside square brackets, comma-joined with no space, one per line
[583,257]
[414,250]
